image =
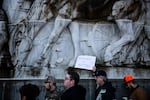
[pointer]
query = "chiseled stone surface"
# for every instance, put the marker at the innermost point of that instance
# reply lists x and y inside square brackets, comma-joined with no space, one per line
[53,33]
[44,37]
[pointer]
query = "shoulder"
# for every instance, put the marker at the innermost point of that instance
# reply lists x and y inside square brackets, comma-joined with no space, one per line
[109,86]
[77,88]
[141,90]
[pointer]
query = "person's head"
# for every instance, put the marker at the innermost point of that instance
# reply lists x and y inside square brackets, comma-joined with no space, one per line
[129,80]
[71,79]
[100,77]
[29,92]
[117,7]
[50,82]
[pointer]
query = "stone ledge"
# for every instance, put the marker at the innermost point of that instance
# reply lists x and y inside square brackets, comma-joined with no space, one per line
[28,73]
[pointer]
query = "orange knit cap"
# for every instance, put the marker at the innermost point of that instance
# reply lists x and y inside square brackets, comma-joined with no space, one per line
[128,78]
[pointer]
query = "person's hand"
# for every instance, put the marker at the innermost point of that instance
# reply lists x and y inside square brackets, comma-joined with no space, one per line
[94,69]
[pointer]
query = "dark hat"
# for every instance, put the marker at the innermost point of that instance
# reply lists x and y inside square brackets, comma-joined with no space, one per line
[50,79]
[100,73]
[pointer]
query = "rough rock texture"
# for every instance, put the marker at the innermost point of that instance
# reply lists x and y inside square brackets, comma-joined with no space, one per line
[53,33]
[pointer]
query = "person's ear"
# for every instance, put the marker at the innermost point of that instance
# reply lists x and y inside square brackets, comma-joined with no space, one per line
[72,81]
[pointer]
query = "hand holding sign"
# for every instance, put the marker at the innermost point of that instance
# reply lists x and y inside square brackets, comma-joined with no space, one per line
[85,62]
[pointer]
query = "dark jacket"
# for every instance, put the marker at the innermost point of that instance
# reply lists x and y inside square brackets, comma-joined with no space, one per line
[106,92]
[74,93]
[139,94]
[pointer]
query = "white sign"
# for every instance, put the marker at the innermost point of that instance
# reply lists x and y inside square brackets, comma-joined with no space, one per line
[85,62]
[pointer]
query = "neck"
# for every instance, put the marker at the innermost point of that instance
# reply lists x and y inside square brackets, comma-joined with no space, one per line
[70,86]
[134,85]
[102,83]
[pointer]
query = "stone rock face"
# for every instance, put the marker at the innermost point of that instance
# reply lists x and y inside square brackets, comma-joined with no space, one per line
[53,33]
[5,57]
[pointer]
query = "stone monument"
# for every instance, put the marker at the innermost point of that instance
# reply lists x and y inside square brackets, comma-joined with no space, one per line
[53,33]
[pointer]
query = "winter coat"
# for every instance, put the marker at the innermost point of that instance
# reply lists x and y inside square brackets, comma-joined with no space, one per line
[52,95]
[139,94]
[74,93]
[105,92]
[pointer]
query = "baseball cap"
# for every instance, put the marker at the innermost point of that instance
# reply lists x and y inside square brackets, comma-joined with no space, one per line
[128,78]
[100,73]
[50,79]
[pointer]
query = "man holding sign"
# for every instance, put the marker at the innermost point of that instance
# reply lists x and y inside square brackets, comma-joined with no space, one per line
[105,90]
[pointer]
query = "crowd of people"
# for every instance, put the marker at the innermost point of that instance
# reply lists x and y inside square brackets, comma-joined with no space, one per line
[74,91]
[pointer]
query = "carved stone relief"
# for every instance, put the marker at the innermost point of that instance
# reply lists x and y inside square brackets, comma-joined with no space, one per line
[5,58]
[52,33]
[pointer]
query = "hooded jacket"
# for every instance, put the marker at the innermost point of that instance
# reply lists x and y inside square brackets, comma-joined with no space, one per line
[105,92]
[74,93]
